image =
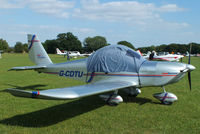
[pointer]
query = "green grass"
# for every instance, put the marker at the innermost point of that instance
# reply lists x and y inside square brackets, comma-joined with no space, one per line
[143,114]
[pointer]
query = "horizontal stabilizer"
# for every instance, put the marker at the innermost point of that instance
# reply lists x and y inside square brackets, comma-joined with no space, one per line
[72,92]
[27,68]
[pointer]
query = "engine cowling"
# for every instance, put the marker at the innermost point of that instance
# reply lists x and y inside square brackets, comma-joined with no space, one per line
[166,97]
[111,99]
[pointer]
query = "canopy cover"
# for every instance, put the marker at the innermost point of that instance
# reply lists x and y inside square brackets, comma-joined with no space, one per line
[114,58]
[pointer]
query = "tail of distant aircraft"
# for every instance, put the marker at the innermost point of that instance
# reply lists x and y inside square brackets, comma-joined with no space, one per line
[58,51]
[138,51]
[37,53]
[148,53]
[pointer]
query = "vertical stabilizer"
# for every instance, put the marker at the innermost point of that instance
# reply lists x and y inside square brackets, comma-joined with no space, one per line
[37,53]
[58,51]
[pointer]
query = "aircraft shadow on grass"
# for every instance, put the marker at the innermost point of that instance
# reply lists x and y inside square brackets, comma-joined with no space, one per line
[55,114]
[28,87]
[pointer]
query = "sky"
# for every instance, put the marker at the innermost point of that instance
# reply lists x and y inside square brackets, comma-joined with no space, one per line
[140,22]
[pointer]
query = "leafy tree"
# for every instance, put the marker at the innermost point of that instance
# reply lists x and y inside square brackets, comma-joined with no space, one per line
[92,44]
[69,42]
[18,47]
[4,45]
[181,48]
[161,48]
[126,43]
[25,47]
[10,49]
[50,46]
[195,48]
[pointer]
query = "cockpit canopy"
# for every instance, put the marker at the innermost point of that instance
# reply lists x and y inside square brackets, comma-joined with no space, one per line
[114,58]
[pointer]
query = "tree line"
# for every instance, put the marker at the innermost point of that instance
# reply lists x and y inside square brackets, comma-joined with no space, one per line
[70,42]
[174,47]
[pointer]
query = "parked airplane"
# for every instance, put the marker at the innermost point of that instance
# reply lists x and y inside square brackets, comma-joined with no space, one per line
[59,52]
[111,68]
[72,53]
[0,53]
[167,57]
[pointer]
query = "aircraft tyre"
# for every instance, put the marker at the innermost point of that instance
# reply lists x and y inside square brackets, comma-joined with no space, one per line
[133,95]
[166,103]
[112,104]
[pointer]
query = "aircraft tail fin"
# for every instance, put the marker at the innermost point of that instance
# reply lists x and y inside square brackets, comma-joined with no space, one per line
[37,53]
[138,51]
[58,51]
[148,53]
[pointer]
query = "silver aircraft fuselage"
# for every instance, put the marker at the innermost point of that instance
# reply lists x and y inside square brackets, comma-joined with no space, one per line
[151,73]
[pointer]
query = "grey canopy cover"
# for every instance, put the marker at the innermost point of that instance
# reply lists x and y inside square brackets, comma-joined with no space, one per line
[114,58]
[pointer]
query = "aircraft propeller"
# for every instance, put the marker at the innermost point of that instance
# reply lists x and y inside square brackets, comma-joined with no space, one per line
[189,72]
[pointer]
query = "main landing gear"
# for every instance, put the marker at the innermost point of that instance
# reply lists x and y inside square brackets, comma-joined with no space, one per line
[166,98]
[132,91]
[112,99]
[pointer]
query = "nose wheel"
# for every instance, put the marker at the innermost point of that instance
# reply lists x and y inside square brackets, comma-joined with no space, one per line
[166,103]
[166,98]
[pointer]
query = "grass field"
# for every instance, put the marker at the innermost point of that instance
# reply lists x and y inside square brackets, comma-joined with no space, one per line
[143,114]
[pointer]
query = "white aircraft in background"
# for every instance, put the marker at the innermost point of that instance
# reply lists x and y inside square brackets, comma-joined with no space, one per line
[167,57]
[74,54]
[60,53]
[187,54]
[111,68]
[0,53]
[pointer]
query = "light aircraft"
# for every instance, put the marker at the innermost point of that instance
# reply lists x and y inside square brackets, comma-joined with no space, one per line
[72,53]
[59,52]
[187,54]
[110,68]
[167,57]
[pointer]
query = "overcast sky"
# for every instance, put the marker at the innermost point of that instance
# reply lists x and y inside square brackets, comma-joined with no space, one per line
[141,22]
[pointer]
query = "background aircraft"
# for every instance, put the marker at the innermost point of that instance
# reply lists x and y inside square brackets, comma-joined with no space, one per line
[111,68]
[0,53]
[74,54]
[59,52]
[166,57]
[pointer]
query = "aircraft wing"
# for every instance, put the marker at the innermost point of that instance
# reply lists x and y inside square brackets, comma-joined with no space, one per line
[73,92]
[27,68]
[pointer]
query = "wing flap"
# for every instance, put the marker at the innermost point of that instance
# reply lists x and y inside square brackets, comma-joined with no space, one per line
[72,92]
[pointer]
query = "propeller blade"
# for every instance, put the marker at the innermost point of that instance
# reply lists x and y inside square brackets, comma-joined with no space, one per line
[190,53]
[189,79]
[189,73]
[181,60]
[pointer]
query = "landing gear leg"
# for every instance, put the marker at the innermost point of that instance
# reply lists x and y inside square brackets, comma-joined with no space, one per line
[132,91]
[163,100]
[163,89]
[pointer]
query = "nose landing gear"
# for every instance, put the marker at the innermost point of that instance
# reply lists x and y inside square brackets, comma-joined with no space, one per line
[166,98]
